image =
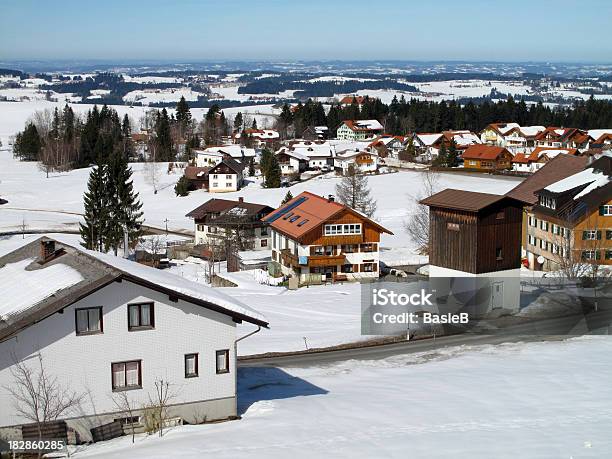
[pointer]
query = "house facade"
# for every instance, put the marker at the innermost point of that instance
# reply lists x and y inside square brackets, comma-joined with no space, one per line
[571,222]
[316,239]
[532,162]
[358,129]
[212,156]
[226,176]
[217,218]
[487,158]
[476,235]
[96,324]
[361,161]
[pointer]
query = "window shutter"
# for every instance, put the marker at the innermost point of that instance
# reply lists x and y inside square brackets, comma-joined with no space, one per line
[584,235]
[598,235]
[601,210]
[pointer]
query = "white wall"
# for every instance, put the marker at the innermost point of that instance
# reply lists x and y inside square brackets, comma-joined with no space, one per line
[83,363]
[223,183]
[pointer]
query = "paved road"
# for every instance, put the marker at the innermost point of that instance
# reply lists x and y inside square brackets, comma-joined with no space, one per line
[541,330]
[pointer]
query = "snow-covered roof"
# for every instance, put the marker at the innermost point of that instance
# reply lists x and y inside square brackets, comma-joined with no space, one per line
[597,133]
[531,131]
[463,138]
[594,179]
[429,139]
[23,288]
[75,268]
[234,151]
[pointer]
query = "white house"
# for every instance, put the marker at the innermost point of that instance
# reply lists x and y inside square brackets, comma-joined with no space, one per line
[428,145]
[226,176]
[319,154]
[105,326]
[217,217]
[211,156]
[361,161]
[359,129]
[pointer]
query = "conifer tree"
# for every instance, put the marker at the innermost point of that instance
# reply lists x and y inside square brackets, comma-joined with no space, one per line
[273,173]
[251,168]
[163,137]
[238,120]
[254,124]
[28,143]
[94,230]
[182,186]
[452,157]
[442,156]
[288,197]
[183,114]
[124,205]
[265,161]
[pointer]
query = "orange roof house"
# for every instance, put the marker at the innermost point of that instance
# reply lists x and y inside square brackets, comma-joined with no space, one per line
[486,157]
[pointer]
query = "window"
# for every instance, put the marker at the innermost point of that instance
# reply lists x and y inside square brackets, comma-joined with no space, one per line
[303,222]
[608,254]
[533,222]
[126,375]
[368,267]
[543,244]
[330,250]
[228,176]
[223,361]
[547,201]
[347,268]
[350,228]
[140,316]
[498,253]
[590,255]
[264,243]
[215,176]
[228,184]
[286,217]
[452,226]
[88,321]
[263,231]
[543,225]
[215,184]
[318,250]
[608,234]
[294,218]
[191,366]
[605,210]
[349,248]
[213,229]
[532,240]
[201,228]
[368,247]
[591,235]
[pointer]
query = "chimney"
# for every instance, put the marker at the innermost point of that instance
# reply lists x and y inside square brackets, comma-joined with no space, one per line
[47,250]
[240,199]
[331,198]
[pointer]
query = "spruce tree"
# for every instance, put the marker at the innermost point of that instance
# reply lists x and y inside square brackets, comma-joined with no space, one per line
[183,114]
[163,137]
[254,124]
[265,161]
[238,120]
[182,186]
[94,230]
[251,168]
[452,157]
[126,134]
[28,143]
[124,205]
[442,155]
[273,173]
[288,197]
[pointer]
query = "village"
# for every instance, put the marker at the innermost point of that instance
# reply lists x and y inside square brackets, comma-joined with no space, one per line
[230,230]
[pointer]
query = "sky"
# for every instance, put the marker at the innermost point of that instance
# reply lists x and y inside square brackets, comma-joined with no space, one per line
[189,30]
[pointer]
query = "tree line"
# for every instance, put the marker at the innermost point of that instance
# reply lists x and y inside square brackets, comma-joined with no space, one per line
[403,116]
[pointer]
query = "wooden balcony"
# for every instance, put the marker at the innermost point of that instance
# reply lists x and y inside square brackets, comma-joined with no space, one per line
[290,259]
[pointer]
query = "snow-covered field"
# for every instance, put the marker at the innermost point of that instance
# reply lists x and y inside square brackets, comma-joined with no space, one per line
[529,401]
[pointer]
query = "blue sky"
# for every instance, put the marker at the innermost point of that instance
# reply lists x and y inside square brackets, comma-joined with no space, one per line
[509,30]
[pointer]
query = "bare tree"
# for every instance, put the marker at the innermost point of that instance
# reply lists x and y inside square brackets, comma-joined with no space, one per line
[124,404]
[153,245]
[353,191]
[38,396]
[417,225]
[152,170]
[158,404]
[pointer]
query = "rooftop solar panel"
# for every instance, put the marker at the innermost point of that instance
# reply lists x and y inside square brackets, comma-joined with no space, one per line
[278,214]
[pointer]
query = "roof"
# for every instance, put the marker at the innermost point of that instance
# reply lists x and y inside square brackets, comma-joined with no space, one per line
[231,163]
[223,205]
[556,169]
[347,100]
[196,173]
[503,128]
[75,273]
[363,125]
[429,139]
[469,201]
[481,151]
[462,138]
[312,210]
[550,152]
[233,150]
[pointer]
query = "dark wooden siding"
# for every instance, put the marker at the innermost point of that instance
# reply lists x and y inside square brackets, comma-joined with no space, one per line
[472,248]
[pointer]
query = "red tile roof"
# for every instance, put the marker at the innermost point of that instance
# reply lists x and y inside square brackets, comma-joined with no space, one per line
[481,151]
[348,100]
[312,212]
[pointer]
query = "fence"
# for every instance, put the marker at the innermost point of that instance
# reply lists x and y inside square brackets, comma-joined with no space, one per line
[107,431]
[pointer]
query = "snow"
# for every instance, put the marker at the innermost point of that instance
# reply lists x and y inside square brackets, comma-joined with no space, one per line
[168,280]
[530,131]
[23,288]
[527,400]
[429,139]
[369,124]
[589,176]
[597,133]
[150,96]
[151,79]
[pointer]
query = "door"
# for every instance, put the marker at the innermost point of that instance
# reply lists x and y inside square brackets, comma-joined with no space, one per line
[498,295]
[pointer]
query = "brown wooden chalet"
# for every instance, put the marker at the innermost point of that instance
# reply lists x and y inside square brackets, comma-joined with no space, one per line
[486,157]
[474,232]
[314,235]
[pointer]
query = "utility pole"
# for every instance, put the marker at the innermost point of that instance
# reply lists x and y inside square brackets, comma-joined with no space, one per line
[166,222]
